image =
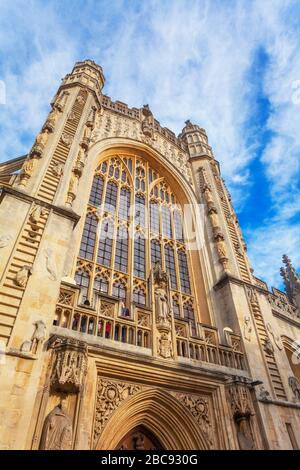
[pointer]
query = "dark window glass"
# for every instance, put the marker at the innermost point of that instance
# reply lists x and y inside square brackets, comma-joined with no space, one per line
[176,309]
[119,290]
[105,243]
[121,255]
[139,296]
[88,237]
[124,204]
[188,313]
[155,252]
[96,192]
[154,217]
[170,266]
[140,210]
[83,280]
[139,256]
[178,226]
[184,273]
[100,284]
[166,221]
[111,197]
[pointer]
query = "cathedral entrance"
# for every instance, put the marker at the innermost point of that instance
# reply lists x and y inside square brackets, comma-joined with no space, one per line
[139,438]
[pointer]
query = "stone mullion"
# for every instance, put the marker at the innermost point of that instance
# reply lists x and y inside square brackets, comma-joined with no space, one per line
[115,232]
[147,230]
[105,180]
[131,235]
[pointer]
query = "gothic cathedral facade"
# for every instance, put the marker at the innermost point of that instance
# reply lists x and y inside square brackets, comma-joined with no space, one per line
[130,317]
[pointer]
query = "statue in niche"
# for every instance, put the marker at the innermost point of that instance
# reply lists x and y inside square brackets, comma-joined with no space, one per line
[244,434]
[162,307]
[57,429]
[247,328]
[295,387]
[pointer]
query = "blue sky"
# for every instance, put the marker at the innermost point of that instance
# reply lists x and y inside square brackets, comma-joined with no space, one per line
[233,67]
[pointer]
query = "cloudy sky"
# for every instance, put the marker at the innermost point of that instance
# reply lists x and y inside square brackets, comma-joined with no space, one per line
[231,66]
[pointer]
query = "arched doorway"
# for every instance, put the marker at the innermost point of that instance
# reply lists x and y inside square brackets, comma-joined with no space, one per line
[167,422]
[139,438]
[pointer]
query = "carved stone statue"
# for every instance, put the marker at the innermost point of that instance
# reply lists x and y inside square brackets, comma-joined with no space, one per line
[275,337]
[295,387]
[291,280]
[72,190]
[23,275]
[161,305]
[147,122]
[40,143]
[244,434]
[57,169]
[57,429]
[247,328]
[27,170]
[39,335]
[159,275]
[61,101]
[268,346]
[52,120]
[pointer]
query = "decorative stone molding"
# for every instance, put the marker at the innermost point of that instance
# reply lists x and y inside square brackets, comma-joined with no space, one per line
[242,412]
[295,387]
[69,365]
[200,409]
[109,396]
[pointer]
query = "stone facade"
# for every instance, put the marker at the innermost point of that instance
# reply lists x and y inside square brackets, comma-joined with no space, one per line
[166,340]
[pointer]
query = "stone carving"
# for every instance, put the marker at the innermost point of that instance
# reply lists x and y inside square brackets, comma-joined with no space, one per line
[69,366]
[22,276]
[80,100]
[161,295]
[34,218]
[295,387]
[75,176]
[200,409]
[4,240]
[40,143]
[165,347]
[241,409]
[57,169]
[52,120]
[247,328]
[221,250]
[50,265]
[57,430]
[268,346]
[38,337]
[275,337]
[292,281]
[263,394]
[147,122]
[66,139]
[61,101]
[109,396]
[26,171]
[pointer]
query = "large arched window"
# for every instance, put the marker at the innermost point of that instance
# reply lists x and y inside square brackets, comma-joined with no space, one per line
[133,220]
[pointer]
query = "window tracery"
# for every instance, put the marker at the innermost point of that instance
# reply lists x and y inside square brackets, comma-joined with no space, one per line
[133,220]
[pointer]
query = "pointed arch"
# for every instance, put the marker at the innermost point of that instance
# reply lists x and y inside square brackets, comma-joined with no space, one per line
[159,412]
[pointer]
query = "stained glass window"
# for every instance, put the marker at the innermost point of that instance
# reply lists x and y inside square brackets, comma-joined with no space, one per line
[178,226]
[166,221]
[124,205]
